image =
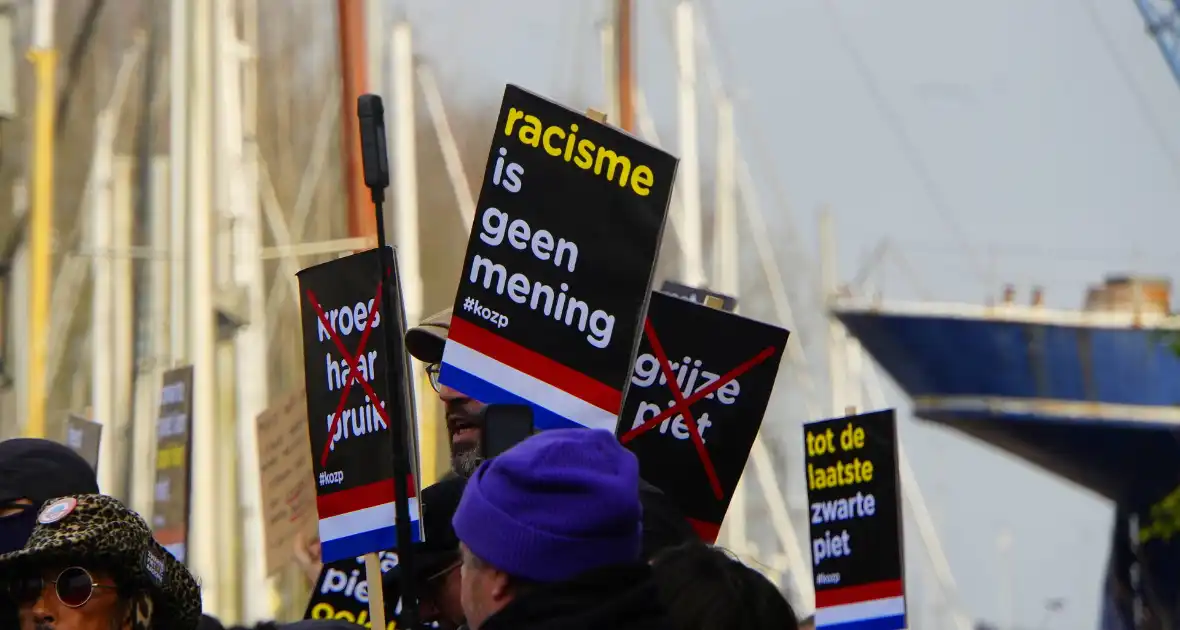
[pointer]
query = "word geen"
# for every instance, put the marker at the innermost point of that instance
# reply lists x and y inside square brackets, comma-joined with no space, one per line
[536,134]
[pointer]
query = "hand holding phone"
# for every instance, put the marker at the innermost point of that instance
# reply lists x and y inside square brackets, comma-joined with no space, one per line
[505,426]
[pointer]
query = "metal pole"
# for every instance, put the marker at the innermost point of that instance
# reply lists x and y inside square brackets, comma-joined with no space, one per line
[692,266]
[44,58]
[725,249]
[122,323]
[464,197]
[610,69]
[101,330]
[353,79]
[204,539]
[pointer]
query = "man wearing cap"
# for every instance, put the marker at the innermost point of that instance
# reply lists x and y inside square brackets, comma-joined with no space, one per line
[664,525]
[436,560]
[551,538]
[91,563]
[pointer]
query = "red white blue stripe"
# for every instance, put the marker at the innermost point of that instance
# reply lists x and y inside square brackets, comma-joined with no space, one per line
[491,369]
[875,606]
[362,520]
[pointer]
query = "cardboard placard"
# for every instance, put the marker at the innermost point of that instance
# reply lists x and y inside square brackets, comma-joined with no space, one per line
[288,499]
[855,515]
[174,432]
[559,264]
[342,592]
[85,437]
[685,292]
[726,387]
[350,407]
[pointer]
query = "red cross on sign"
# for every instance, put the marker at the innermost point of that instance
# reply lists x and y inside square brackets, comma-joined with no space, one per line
[682,405]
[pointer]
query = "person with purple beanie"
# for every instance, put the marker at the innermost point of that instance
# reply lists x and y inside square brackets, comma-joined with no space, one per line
[551,537]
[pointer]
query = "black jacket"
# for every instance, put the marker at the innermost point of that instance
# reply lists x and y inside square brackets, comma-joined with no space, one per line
[613,598]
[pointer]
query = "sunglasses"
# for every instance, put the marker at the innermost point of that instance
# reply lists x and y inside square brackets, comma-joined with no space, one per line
[74,587]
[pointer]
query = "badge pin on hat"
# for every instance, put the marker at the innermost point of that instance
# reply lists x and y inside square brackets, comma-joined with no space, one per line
[57,510]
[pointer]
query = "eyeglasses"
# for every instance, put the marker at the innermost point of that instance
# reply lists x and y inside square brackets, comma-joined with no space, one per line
[74,587]
[432,371]
[433,582]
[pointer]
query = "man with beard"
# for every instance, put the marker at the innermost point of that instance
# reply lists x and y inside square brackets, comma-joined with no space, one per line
[664,525]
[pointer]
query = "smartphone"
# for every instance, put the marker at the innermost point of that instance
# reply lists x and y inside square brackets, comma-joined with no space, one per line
[504,426]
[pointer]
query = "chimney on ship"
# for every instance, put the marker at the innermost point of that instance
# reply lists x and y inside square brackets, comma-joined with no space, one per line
[1038,296]
[1009,294]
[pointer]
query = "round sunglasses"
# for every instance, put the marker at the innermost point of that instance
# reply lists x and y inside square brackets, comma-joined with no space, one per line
[74,587]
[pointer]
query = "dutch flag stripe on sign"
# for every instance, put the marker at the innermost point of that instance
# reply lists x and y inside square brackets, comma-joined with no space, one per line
[876,606]
[561,397]
[360,520]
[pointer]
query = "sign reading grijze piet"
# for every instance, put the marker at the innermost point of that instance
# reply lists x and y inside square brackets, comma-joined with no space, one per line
[559,264]
[170,511]
[855,517]
[699,388]
[349,407]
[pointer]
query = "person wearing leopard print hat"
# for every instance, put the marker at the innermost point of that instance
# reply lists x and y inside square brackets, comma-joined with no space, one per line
[91,563]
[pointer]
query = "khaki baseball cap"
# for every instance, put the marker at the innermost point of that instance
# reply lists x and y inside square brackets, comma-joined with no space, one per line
[426,340]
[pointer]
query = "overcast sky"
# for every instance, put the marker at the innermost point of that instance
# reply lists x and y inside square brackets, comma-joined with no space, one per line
[1025,141]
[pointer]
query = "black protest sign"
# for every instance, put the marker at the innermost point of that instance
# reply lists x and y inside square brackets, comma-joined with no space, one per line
[342,592]
[559,264]
[85,437]
[855,516]
[174,462]
[349,407]
[683,291]
[699,388]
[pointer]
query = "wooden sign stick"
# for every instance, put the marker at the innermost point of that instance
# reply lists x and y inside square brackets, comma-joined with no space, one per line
[376,591]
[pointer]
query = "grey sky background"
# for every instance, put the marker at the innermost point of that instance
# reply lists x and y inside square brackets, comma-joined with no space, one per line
[1051,154]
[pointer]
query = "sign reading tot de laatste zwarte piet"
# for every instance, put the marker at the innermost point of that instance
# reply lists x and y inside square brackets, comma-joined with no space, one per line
[559,265]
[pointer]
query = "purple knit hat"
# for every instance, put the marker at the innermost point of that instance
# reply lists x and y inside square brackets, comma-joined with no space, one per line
[558,504]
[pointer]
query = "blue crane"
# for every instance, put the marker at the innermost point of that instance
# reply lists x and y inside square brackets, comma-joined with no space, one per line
[1163,24]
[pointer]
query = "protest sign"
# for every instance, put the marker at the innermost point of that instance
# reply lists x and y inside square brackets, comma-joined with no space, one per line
[84,436]
[855,516]
[285,472]
[346,365]
[174,462]
[728,302]
[342,592]
[559,264]
[695,404]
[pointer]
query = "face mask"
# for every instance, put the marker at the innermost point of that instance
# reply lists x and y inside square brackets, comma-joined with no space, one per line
[16,528]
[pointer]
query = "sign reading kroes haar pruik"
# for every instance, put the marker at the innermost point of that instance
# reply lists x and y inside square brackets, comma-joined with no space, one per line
[558,268]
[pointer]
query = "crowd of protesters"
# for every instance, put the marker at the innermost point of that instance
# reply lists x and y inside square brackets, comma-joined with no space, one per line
[558,532]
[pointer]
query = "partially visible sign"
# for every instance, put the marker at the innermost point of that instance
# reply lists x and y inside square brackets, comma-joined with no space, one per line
[695,405]
[728,302]
[170,514]
[559,265]
[288,502]
[342,592]
[855,516]
[349,420]
[84,436]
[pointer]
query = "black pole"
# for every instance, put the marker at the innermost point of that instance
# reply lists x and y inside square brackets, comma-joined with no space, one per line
[371,113]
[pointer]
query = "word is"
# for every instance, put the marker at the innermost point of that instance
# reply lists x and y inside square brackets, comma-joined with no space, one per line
[520,289]
[536,134]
